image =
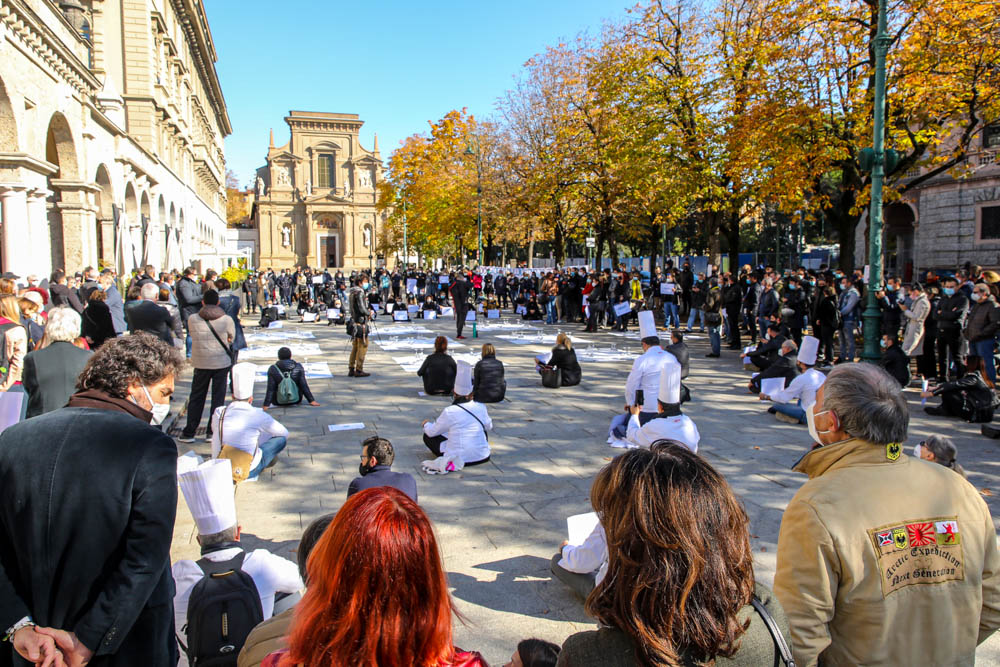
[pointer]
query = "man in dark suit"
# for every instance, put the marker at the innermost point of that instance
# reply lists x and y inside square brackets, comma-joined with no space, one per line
[50,373]
[377,456]
[460,299]
[785,366]
[145,315]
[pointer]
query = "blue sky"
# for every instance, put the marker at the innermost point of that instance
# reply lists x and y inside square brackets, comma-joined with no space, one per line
[397,63]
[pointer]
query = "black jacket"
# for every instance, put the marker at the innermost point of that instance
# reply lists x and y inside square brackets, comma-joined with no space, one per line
[97,323]
[565,359]
[87,503]
[438,372]
[460,294]
[188,297]
[951,313]
[767,351]
[680,351]
[62,295]
[384,476]
[782,367]
[275,376]
[897,364]
[50,375]
[490,385]
[147,316]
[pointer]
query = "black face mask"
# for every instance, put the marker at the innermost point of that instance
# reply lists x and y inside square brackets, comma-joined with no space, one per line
[364,469]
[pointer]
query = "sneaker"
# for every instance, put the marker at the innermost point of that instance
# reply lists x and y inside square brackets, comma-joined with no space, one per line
[459,337]
[208,438]
[788,419]
[184,438]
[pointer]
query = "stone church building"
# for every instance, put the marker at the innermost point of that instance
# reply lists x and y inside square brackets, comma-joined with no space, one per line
[315,197]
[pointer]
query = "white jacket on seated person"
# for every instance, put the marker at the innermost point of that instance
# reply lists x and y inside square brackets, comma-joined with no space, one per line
[463,424]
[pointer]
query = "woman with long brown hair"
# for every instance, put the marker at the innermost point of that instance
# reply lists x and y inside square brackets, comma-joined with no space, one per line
[680,584]
[378,593]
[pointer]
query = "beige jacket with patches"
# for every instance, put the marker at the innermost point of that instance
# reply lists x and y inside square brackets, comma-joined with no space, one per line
[884,559]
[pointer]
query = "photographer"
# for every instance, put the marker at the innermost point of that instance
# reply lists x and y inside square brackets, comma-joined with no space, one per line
[357,302]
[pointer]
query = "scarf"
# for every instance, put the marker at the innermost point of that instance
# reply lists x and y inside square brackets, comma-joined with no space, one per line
[95,398]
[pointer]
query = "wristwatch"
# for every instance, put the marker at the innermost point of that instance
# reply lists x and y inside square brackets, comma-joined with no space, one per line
[12,630]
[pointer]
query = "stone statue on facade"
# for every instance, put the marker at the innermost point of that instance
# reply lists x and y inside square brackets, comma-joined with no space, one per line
[347,188]
[283,179]
[309,187]
[260,187]
[286,234]
[365,178]
[366,234]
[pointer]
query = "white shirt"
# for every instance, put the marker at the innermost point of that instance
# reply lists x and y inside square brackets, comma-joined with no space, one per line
[246,427]
[678,427]
[465,436]
[645,375]
[587,557]
[271,574]
[803,388]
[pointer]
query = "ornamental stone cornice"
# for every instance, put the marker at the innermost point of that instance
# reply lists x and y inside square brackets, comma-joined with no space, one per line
[25,161]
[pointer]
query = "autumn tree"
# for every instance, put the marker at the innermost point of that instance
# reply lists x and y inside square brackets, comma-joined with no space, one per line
[236,201]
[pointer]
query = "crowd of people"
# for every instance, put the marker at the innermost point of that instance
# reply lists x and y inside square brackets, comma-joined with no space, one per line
[865,554]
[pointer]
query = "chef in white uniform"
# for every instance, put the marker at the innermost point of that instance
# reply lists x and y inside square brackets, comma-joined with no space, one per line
[582,566]
[460,429]
[669,424]
[208,490]
[644,377]
[791,403]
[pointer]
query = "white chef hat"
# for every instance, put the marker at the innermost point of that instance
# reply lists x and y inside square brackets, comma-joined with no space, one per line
[808,349]
[243,376]
[670,383]
[208,490]
[647,326]
[463,379]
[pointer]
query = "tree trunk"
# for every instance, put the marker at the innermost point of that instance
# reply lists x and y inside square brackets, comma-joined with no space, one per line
[599,250]
[733,239]
[531,251]
[559,243]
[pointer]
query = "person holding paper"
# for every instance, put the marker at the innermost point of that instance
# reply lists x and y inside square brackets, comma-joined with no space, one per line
[564,358]
[802,390]
[785,366]
[669,423]
[460,430]
[430,305]
[286,366]
[582,565]
[768,350]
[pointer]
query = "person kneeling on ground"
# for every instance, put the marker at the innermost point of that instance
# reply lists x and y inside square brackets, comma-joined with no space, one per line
[971,397]
[669,424]
[941,450]
[438,370]
[490,385]
[534,653]
[286,382]
[784,367]
[245,427]
[769,351]
[460,429]
[208,490]
[377,456]
[802,389]
[429,304]
[663,509]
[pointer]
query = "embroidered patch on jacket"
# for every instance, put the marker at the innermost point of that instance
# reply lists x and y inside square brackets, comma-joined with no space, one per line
[893,450]
[926,551]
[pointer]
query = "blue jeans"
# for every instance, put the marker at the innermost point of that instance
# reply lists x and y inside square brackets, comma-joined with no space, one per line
[984,349]
[762,324]
[847,341]
[701,318]
[713,337]
[670,315]
[792,410]
[269,451]
[550,311]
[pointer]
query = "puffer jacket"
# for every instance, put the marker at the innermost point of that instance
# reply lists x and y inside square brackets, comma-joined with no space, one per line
[490,385]
[984,321]
[884,559]
[206,352]
[188,297]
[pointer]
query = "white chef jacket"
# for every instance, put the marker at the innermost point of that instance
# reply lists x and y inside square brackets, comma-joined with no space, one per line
[271,574]
[645,375]
[803,388]
[587,557]
[246,427]
[465,435]
[678,427]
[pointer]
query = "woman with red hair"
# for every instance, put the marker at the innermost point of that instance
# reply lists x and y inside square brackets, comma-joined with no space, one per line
[377,593]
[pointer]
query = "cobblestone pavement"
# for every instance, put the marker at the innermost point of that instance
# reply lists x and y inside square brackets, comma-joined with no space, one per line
[499,524]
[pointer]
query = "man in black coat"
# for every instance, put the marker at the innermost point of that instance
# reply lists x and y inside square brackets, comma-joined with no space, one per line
[460,299]
[732,297]
[377,456]
[145,315]
[188,301]
[61,294]
[951,312]
[87,501]
[767,352]
[785,366]
[50,374]
[679,349]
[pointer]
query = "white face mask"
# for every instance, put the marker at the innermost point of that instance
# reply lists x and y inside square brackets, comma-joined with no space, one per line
[159,410]
[976,296]
[811,423]
[917,451]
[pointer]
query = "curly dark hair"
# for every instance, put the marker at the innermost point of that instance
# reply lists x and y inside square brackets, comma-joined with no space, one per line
[680,566]
[140,357]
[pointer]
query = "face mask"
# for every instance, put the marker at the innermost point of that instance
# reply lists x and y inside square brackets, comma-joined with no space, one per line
[366,285]
[883,344]
[917,450]
[890,288]
[949,291]
[976,296]
[159,410]
[792,287]
[747,281]
[844,286]
[364,469]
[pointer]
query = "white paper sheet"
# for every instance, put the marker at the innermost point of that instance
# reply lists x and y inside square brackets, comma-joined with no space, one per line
[277,324]
[470,316]
[270,352]
[411,285]
[447,311]
[580,526]
[924,385]
[315,370]
[493,314]
[332,313]
[430,314]
[309,317]
[345,427]
[317,280]
[400,316]
[667,288]
[521,310]
[771,386]
[623,308]
[442,280]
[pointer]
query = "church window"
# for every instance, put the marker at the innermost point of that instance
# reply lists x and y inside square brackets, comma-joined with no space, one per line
[324,171]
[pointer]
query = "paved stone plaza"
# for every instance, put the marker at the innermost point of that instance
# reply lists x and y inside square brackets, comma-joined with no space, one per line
[499,524]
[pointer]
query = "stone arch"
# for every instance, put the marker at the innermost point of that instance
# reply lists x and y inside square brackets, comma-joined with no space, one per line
[900,227]
[161,237]
[60,148]
[145,224]
[104,199]
[8,124]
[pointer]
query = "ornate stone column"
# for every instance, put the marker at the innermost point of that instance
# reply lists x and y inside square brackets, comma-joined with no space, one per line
[79,219]
[39,238]
[15,253]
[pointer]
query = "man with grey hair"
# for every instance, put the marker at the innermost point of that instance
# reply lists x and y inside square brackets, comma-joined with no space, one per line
[882,559]
[146,315]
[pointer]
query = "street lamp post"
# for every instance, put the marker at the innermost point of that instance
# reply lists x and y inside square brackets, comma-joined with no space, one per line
[406,253]
[479,200]
[872,317]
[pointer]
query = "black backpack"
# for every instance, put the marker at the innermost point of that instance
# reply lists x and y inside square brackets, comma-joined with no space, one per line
[224,607]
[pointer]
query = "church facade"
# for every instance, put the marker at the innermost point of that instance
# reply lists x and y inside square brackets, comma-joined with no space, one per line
[315,197]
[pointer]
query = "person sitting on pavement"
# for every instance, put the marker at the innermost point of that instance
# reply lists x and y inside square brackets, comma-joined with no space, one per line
[438,370]
[801,390]
[941,450]
[270,635]
[894,360]
[972,397]
[377,456]
[460,430]
[429,305]
[785,366]
[208,490]
[643,381]
[378,591]
[488,377]
[286,367]
[564,358]
[670,423]
[534,653]
[245,427]
[662,510]
[767,351]
[582,567]
[876,534]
